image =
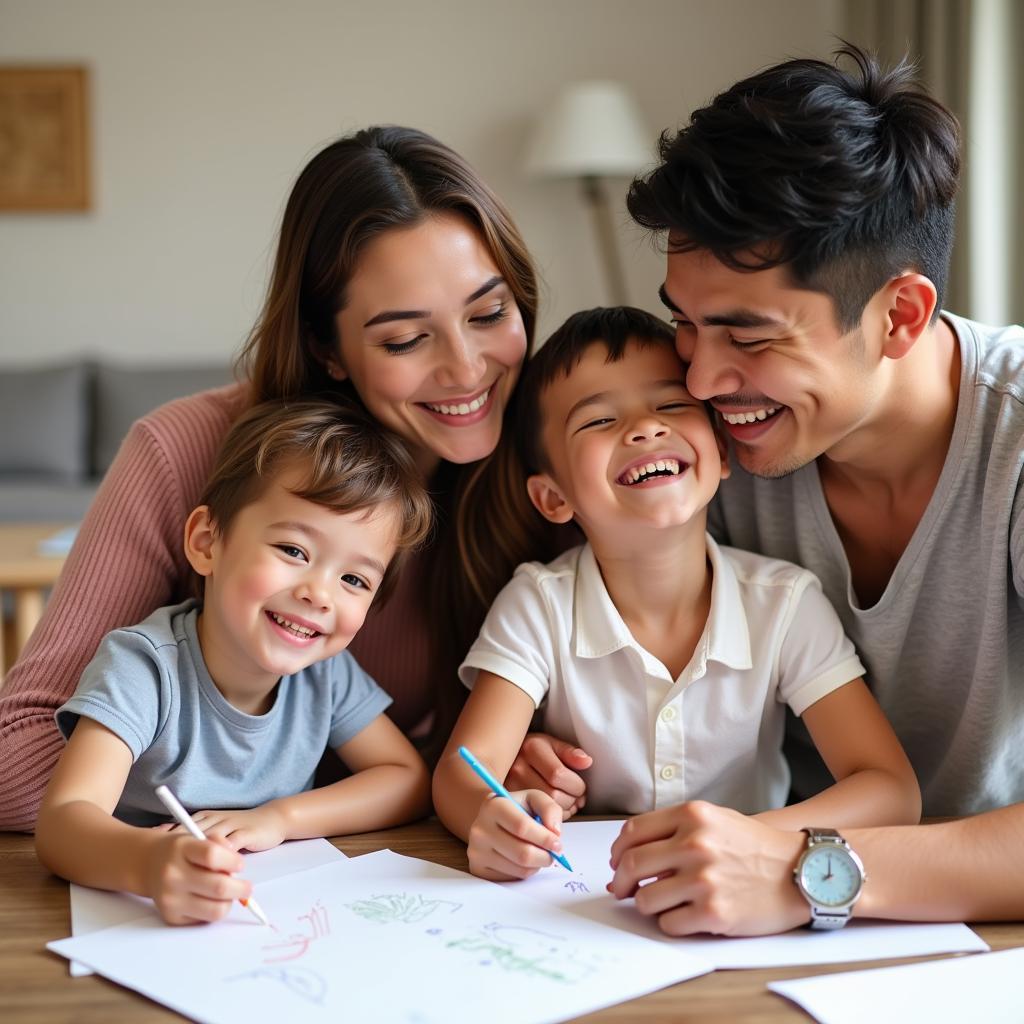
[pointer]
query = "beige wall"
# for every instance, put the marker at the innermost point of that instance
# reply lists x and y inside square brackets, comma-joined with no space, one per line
[204,112]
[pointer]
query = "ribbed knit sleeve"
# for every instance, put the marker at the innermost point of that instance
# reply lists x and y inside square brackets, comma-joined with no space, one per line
[127,560]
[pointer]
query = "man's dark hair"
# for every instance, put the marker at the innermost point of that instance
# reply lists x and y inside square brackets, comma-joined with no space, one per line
[845,177]
[614,327]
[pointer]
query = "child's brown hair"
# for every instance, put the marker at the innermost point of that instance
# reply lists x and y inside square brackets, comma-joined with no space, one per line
[351,465]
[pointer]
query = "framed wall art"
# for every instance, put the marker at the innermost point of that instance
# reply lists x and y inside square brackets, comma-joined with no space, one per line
[44,146]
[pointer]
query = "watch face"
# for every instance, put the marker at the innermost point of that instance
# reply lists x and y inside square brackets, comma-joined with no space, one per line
[829,876]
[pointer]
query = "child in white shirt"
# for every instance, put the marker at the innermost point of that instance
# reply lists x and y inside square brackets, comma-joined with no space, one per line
[666,657]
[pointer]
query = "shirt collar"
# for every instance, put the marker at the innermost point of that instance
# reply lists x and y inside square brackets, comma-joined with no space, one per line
[599,628]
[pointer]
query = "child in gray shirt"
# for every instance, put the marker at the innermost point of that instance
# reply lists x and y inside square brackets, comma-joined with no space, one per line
[230,702]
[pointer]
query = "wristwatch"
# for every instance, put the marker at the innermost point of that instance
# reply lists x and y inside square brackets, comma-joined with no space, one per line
[830,876]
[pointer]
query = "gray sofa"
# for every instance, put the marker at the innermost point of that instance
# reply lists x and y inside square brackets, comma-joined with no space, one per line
[60,428]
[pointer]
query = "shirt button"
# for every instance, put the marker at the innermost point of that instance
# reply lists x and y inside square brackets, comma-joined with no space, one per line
[668,772]
[667,714]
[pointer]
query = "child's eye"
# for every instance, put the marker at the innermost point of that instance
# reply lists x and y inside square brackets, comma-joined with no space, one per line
[355,581]
[599,422]
[291,551]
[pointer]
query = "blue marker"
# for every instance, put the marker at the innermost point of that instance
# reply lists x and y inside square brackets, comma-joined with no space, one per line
[499,790]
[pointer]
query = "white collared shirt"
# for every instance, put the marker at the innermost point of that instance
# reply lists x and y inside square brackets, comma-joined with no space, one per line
[715,732]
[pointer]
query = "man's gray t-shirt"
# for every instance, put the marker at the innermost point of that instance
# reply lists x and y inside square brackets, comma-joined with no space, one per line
[944,646]
[149,685]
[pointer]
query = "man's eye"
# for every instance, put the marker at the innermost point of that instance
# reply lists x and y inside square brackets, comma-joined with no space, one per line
[355,581]
[747,342]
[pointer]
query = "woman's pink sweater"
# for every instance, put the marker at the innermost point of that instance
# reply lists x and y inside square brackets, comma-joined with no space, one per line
[127,561]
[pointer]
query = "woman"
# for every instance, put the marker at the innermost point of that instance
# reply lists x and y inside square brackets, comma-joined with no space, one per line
[400,280]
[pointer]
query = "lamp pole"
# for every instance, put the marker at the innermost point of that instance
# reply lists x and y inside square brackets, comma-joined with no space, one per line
[607,242]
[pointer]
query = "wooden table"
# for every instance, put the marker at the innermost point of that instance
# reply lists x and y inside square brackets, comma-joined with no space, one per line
[35,987]
[27,574]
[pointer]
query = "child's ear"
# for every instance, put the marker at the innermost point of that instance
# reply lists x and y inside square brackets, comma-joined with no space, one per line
[200,535]
[548,499]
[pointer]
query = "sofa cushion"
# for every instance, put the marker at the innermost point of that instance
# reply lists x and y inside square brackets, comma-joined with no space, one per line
[44,423]
[124,394]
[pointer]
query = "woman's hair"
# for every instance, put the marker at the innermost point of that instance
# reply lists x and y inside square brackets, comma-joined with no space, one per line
[350,193]
[845,177]
[349,464]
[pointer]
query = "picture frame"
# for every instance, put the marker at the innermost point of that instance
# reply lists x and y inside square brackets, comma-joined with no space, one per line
[44,145]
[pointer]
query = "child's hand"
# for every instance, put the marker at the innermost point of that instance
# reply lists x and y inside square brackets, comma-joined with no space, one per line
[505,844]
[190,880]
[261,828]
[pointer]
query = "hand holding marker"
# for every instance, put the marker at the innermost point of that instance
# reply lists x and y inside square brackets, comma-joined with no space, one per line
[184,819]
[499,790]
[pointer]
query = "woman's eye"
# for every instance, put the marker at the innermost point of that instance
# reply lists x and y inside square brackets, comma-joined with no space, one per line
[491,318]
[354,581]
[396,348]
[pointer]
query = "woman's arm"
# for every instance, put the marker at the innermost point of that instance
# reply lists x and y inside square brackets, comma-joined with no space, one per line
[126,561]
[875,784]
[78,839]
[390,785]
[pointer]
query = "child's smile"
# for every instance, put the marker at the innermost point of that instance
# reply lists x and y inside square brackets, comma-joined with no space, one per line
[652,471]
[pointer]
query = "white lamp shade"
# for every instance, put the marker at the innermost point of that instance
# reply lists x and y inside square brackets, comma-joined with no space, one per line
[592,129]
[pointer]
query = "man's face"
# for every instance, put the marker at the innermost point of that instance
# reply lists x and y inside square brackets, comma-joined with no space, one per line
[788,384]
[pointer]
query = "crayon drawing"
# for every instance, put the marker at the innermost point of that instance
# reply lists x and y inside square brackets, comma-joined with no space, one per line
[401,907]
[307,985]
[317,926]
[528,951]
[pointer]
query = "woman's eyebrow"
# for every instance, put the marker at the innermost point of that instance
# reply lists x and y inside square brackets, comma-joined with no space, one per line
[390,315]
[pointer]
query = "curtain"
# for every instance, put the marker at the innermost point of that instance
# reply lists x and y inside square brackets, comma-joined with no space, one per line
[967,53]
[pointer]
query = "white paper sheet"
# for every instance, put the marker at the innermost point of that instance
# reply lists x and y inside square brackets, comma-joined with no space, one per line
[389,939]
[587,845]
[93,909]
[985,988]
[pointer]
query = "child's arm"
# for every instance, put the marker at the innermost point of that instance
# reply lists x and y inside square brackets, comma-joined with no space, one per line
[875,784]
[77,837]
[390,785]
[503,843]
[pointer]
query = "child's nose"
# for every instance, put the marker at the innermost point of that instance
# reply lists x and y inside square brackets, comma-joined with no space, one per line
[313,590]
[646,429]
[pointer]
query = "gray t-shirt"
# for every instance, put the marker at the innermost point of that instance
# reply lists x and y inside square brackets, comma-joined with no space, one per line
[149,685]
[944,646]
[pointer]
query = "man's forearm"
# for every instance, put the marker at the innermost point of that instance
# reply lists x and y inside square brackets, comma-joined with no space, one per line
[963,870]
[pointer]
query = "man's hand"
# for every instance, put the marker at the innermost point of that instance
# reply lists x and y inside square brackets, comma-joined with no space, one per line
[550,765]
[262,828]
[505,844]
[713,869]
[190,880]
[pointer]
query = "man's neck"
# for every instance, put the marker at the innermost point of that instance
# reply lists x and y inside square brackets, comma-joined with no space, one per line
[903,446]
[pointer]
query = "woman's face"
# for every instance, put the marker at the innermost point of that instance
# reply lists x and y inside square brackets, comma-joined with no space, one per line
[432,339]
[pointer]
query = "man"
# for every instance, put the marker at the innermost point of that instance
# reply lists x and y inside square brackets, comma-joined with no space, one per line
[877,442]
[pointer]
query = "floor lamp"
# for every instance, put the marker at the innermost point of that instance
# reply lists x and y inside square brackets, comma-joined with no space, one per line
[593,131]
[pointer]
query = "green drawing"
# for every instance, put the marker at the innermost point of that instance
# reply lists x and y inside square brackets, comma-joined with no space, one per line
[403,907]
